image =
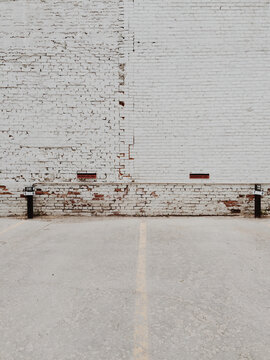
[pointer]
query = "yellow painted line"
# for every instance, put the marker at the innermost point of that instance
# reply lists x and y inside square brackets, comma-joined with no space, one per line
[12,227]
[141,322]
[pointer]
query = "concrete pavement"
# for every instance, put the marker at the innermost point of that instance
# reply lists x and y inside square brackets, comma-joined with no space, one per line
[135,288]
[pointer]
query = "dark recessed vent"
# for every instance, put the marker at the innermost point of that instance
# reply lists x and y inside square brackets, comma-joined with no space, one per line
[199,176]
[86,175]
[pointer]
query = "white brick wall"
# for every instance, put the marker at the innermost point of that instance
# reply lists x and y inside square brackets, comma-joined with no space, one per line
[59,89]
[143,91]
[198,90]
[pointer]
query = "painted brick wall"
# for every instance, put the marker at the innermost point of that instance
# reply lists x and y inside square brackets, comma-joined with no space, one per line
[198,90]
[59,89]
[141,92]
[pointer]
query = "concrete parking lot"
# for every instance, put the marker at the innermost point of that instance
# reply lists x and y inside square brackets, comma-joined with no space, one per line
[135,288]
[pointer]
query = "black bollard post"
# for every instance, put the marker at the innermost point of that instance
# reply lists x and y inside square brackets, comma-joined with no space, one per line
[258,195]
[29,193]
[30,212]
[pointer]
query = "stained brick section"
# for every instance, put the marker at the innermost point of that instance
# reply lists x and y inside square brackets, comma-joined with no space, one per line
[4,190]
[199,176]
[231,203]
[152,199]
[87,176]
[141,199]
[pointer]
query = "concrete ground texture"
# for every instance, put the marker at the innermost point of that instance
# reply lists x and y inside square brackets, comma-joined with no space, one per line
[177,288]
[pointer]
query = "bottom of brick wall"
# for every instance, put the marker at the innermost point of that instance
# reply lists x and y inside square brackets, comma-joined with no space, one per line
[135,199]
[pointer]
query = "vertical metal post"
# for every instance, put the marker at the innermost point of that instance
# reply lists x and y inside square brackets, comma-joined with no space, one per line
[29,193]
[30,212]
[257,193]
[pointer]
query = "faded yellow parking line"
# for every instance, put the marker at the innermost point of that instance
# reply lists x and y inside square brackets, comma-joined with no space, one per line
[141,321]
[12,227]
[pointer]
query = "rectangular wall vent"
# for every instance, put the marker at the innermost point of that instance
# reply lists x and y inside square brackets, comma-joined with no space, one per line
[199,176]
[85,175]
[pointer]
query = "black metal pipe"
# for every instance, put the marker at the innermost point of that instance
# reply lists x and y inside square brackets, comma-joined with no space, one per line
[30,211]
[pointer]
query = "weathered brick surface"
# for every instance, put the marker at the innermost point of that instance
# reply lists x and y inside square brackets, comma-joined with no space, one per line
[138,199]
[143,93]
[59,70]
